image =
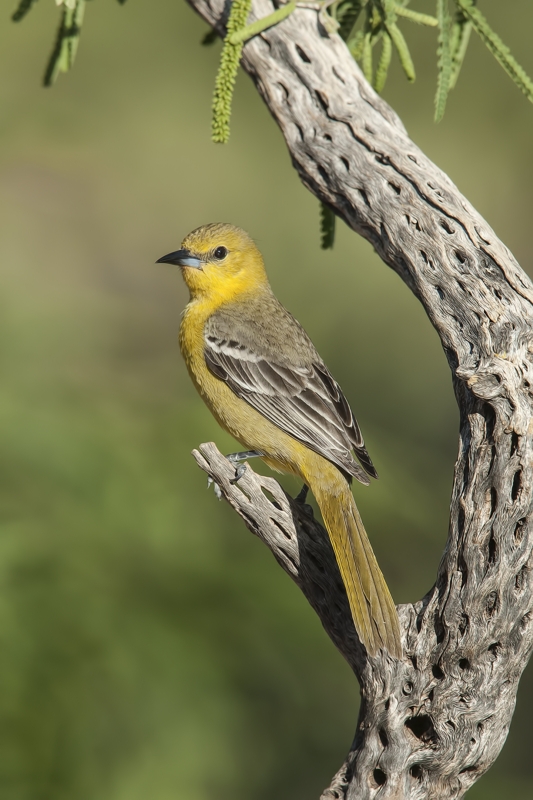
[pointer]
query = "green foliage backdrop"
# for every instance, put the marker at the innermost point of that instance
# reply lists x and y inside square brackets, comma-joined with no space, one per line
[150,647]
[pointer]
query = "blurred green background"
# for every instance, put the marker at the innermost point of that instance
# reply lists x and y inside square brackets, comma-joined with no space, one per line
[149,645]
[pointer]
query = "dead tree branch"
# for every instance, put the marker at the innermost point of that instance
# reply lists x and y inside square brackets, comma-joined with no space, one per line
[431,725]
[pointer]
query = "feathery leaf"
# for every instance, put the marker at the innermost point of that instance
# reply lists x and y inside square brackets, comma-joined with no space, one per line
[22,9]
[66,44]
[461,30]
[262,24]
[403,51]
[227,71]
[347,15]
[384,63]
[498,49]
[444,62]
[415,16]
[366,56]
[327,227]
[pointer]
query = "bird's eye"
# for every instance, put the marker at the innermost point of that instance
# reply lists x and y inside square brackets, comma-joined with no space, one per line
[220,253]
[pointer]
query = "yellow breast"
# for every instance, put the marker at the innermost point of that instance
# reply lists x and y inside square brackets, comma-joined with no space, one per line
[237,417]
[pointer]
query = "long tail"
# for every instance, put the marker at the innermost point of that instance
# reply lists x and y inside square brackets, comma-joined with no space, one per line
[373,610]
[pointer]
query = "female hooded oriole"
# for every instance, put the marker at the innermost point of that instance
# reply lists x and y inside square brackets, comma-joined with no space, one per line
[263,380]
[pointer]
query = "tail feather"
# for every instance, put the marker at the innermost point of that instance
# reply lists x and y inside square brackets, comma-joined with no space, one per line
[373,610]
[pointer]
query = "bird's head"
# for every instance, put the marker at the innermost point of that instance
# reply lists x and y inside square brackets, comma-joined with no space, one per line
[219,259]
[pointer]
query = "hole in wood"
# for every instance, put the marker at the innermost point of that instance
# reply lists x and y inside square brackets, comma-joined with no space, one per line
[282,530]
[515,491]
[463,624]
[445,225]
[269,496]
[395,189]
[422,727]
[490,421]
[346,163]
[494,650]
[327,137]
[437,672]
[519,530]
[493,501]
[520,579]
[379,777]
[322,100]
[384,739]
[416,772]
[424,256]
[290,559]
[491,604]
[468,769]
[440,292]
[515,439]
[364,197]
[303,55]
[323,174]
[464,663]
[492,549]
[461,257]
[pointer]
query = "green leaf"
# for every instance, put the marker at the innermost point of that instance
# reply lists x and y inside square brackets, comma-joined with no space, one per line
[415,16]
[366,62]
[262,24]
[384,63]
[355,45]
[498,49]
[347,16]
[462,28]
[22,9]
[327,227]
[66,44]
[403,51]
[444,59]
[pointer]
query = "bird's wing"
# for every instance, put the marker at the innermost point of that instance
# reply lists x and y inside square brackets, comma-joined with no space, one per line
[304,401]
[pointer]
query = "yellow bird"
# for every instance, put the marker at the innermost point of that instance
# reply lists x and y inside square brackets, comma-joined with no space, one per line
[263,380]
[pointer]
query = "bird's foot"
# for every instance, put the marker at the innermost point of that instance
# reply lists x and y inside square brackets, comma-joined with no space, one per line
[216,487]
[236,458]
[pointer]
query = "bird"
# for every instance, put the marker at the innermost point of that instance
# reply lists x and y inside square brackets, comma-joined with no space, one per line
[258,372]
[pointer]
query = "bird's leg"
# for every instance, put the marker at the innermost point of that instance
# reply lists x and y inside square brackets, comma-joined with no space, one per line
[235,458]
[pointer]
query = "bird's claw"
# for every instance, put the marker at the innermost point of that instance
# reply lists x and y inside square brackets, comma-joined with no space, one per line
[239,472]
[216,487]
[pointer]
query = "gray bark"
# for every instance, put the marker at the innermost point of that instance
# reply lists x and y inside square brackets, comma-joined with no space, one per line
[431,724]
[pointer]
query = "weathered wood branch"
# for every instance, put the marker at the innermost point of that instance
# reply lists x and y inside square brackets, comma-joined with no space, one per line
[431,725]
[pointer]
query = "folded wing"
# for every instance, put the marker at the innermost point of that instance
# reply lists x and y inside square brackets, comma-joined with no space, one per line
[304,401]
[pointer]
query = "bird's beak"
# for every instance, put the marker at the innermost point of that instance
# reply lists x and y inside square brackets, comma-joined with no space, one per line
[182,258]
